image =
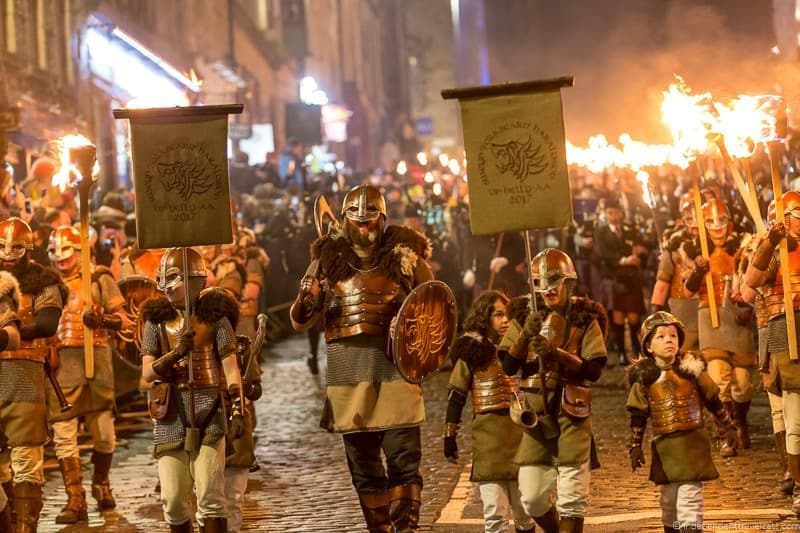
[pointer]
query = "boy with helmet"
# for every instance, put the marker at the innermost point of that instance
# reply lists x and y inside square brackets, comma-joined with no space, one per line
[764,274]
[728,349]
[23,417]
[673,267]
[90,398]
[569,338]
[367,271]
[671,388]
[190,427]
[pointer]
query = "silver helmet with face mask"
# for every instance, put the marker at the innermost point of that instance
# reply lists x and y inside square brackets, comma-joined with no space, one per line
[170,270]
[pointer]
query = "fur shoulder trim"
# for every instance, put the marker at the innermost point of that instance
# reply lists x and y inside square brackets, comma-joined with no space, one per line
[259,254]
[690,364]
[583,310]
[644,371]
[474,349]
[157,309]
[336,257]
[34,277]
[518,308]
[9,286]
[215,304]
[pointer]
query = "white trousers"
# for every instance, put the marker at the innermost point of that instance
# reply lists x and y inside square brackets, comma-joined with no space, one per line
[204,471]
[24,463]
[776,412]
[791,417]
[682,505]
[235,487]
[500,497]
[99,424]
[536,484]
[733,382]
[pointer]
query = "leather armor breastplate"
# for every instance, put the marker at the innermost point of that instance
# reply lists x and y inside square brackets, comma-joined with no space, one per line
[70,326]
[569,339]
[675,404]
[364,304]
[722,264]
[205,363]
[773,297]
[492,389]
[34,349]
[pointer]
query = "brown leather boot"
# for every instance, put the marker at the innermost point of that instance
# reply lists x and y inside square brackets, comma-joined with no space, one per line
[28,505]
[186,527]
[101,488]
[570,524]
[404,506]
[726,450]
[375,507]
[740,410]
[214,524]
[794,468]
[75,509]
[787,483]
[548,521]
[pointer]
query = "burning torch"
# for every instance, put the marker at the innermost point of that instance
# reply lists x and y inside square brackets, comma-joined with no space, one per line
[79,169]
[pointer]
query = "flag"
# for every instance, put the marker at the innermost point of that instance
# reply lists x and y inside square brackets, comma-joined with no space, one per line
[516,156]
[180,175]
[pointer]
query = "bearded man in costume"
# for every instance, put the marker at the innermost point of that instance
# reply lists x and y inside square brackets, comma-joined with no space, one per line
[367,269]
[569,340]
[23,417]
[93,398]
[190,427]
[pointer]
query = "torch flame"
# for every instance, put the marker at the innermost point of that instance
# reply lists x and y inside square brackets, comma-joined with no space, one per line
[746,121]
[69,174]
[644,180]
[689,117]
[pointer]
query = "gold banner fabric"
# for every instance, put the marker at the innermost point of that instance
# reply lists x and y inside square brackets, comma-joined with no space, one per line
[180,171]
[516,162]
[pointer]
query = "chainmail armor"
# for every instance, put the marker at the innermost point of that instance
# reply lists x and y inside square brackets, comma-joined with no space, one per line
[777,337]
[226,337]
[150,339]
[171,429]
[361,358]
[22,381]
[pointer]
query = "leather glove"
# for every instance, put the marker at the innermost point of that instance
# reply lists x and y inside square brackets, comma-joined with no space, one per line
[252,391]
[541,345]
[186,343]
[637,457]
[533,325]
[777,231]
[91,319]
[112,322]
[237,425]
[451,449]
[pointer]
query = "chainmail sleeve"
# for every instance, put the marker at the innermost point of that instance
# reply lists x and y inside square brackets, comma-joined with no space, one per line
[226,338]
[150,340]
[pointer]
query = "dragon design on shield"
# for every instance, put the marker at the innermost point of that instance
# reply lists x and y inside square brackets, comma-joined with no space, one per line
[426,336]
[520,158]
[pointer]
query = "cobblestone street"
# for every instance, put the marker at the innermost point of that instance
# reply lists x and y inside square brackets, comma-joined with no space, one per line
[304,485]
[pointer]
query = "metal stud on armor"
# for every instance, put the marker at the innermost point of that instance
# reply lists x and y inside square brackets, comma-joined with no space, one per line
[675,404]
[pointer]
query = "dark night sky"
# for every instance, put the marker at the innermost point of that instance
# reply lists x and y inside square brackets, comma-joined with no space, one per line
[623,53]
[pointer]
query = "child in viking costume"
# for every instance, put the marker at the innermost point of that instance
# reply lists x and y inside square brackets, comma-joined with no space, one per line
[367,271]
[673,267]
[765,274]
[190,427]
[495,437]
[671,388]
[23,417]
[728,349]
[93,398]
[569,341]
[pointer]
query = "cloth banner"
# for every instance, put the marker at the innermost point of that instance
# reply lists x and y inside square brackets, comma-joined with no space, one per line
[180,175]
[516,161]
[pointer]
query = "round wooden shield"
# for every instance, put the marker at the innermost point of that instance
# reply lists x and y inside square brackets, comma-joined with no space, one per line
[425,330]
[135,290]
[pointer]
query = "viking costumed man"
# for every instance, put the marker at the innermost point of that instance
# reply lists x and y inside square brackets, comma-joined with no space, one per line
[93,398]
[23,417]
[256,264]
[729,349]
[570,341]
[190,425]
[9,340]
[673,268]
[495,437]
[765,274]
[671,387]
[367,270]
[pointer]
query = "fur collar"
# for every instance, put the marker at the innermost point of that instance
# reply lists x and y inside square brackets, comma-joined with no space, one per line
[33,278]
[396,257]
[474,349]
[157,309]
[688,365]
[213,305]
[9,286]
[583,311]
[257,253]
